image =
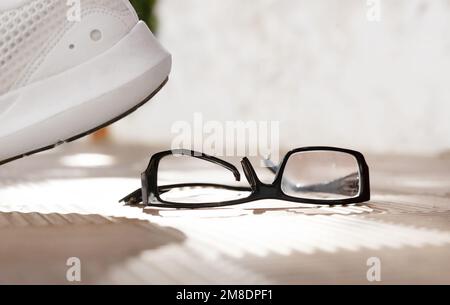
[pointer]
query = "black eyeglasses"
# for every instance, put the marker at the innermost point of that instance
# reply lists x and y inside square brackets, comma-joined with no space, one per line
[312,175]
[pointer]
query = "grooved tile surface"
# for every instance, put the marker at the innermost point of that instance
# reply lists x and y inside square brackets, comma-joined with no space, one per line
[52,209]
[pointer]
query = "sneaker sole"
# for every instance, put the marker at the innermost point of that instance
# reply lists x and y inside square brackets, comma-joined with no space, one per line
[89,132]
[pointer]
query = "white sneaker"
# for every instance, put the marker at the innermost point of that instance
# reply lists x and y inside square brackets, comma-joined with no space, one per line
[64,75]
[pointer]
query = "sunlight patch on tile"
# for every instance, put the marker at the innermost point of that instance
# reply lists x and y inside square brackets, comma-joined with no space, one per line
[88,160]
[283,234]
[258,229]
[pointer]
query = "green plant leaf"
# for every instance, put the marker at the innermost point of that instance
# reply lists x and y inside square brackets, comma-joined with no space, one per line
[146,12]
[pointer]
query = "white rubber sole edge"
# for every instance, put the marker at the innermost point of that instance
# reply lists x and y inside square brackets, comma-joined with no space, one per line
[85,97]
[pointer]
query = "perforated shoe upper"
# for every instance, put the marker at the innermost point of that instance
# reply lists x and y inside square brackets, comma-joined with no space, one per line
[31,31]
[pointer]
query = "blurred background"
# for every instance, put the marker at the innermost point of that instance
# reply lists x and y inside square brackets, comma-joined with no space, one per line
[329,74]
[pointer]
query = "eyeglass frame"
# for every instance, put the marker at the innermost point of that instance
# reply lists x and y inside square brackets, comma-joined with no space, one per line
[258,189]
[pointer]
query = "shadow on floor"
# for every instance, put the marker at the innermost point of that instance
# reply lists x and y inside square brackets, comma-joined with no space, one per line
[35,247]
[261,207]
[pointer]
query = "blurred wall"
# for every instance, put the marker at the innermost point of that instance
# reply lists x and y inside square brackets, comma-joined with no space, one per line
[320,67]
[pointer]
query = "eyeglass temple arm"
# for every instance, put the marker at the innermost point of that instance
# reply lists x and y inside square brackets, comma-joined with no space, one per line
[222,163]
[133,198]
[274,169]
[205,157]
[271,166]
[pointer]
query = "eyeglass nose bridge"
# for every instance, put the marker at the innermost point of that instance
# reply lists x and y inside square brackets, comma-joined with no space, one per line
[262,189]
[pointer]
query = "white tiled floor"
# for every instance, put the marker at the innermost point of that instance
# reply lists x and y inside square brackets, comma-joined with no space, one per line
[50,212]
